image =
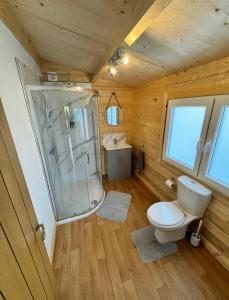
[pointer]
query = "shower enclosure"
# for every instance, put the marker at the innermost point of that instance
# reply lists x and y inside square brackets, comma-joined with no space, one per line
[66,125]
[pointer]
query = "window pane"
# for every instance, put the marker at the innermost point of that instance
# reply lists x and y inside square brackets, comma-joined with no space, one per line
[219,163]
[185,130]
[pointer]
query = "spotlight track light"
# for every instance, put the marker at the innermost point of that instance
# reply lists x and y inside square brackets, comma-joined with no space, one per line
[119,57]
[112,70]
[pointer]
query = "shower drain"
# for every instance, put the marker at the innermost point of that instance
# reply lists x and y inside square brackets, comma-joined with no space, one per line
[93,203]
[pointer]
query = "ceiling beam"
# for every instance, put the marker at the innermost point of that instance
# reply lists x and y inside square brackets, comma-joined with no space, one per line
[143,15]
[153,12]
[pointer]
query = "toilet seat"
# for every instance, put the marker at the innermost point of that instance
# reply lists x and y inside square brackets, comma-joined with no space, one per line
[165,214]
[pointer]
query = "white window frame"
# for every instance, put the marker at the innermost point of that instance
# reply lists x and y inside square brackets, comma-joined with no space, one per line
[196,101]
[214,126]
[205,146]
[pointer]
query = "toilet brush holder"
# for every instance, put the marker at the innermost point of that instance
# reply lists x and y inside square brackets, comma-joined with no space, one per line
[195,240]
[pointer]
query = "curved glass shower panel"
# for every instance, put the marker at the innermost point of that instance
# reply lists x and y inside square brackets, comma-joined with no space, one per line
[94,169]
[68,129]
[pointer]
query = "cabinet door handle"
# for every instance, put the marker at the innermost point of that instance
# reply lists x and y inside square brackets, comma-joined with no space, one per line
[41,227]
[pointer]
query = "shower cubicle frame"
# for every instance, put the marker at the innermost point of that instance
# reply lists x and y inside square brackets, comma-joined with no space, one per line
[35,128]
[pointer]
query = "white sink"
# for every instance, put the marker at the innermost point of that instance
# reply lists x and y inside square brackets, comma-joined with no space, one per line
[118,146]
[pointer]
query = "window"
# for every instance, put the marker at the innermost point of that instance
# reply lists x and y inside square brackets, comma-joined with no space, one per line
[197,138]
[182,141]
[218,168]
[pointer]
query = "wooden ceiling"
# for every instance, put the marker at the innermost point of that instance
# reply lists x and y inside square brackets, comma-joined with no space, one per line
[75,33]
[78,33]
[188,33]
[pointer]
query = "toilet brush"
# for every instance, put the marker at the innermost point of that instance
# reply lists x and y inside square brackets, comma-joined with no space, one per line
[195,238]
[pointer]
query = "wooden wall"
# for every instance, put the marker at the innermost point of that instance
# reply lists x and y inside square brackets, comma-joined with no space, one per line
[64,72]
[125,95]
[148,114]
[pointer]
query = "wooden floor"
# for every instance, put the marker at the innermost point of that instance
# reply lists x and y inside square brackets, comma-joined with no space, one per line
[96,259]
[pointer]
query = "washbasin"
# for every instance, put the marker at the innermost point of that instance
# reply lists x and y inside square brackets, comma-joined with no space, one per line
[110,147]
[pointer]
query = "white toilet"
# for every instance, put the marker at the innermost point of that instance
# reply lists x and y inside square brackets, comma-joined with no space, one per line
[171,219]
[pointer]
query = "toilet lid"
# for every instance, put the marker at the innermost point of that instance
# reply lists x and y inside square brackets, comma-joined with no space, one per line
[165,213]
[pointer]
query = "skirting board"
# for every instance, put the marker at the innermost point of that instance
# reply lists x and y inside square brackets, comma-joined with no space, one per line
[207,244]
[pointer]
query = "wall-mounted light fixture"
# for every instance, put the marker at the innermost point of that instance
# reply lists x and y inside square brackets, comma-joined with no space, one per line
[120,57]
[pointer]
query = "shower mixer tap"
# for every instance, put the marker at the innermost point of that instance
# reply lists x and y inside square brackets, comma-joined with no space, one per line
[52,151]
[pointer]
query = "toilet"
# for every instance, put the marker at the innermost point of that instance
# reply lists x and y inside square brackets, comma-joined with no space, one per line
[171,219]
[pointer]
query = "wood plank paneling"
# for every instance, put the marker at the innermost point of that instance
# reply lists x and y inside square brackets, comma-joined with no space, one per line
[64,73]
[187,34]
[73,33]
[209,79]
[125,95]
[84,34]
[114,270]
[8,19]
[142,16]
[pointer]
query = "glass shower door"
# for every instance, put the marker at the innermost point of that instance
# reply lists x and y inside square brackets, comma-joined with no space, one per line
[60,121]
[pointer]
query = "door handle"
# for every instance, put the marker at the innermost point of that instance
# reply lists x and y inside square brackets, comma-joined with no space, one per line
[41,228]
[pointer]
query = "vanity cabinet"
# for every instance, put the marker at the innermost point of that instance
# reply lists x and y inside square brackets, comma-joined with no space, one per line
[118,163]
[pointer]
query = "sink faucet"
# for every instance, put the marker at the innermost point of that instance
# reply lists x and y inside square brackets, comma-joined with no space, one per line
[115,141]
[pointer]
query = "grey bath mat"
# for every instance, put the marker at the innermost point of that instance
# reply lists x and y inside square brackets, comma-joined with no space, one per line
[148,247]
[115,206]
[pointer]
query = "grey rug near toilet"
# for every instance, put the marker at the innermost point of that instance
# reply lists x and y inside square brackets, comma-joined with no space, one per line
[148,247]
[115,206]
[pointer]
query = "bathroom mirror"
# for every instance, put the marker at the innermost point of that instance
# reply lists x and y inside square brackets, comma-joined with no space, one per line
[113,115]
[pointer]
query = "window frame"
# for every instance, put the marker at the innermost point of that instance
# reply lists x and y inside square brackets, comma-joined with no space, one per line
[214,126]
[210,128]
[206,101]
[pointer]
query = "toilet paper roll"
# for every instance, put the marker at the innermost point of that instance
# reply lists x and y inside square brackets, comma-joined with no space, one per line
[170,183]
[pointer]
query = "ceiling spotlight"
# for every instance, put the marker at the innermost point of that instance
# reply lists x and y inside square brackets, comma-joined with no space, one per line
[119,58]
[112,71]
[125,59]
